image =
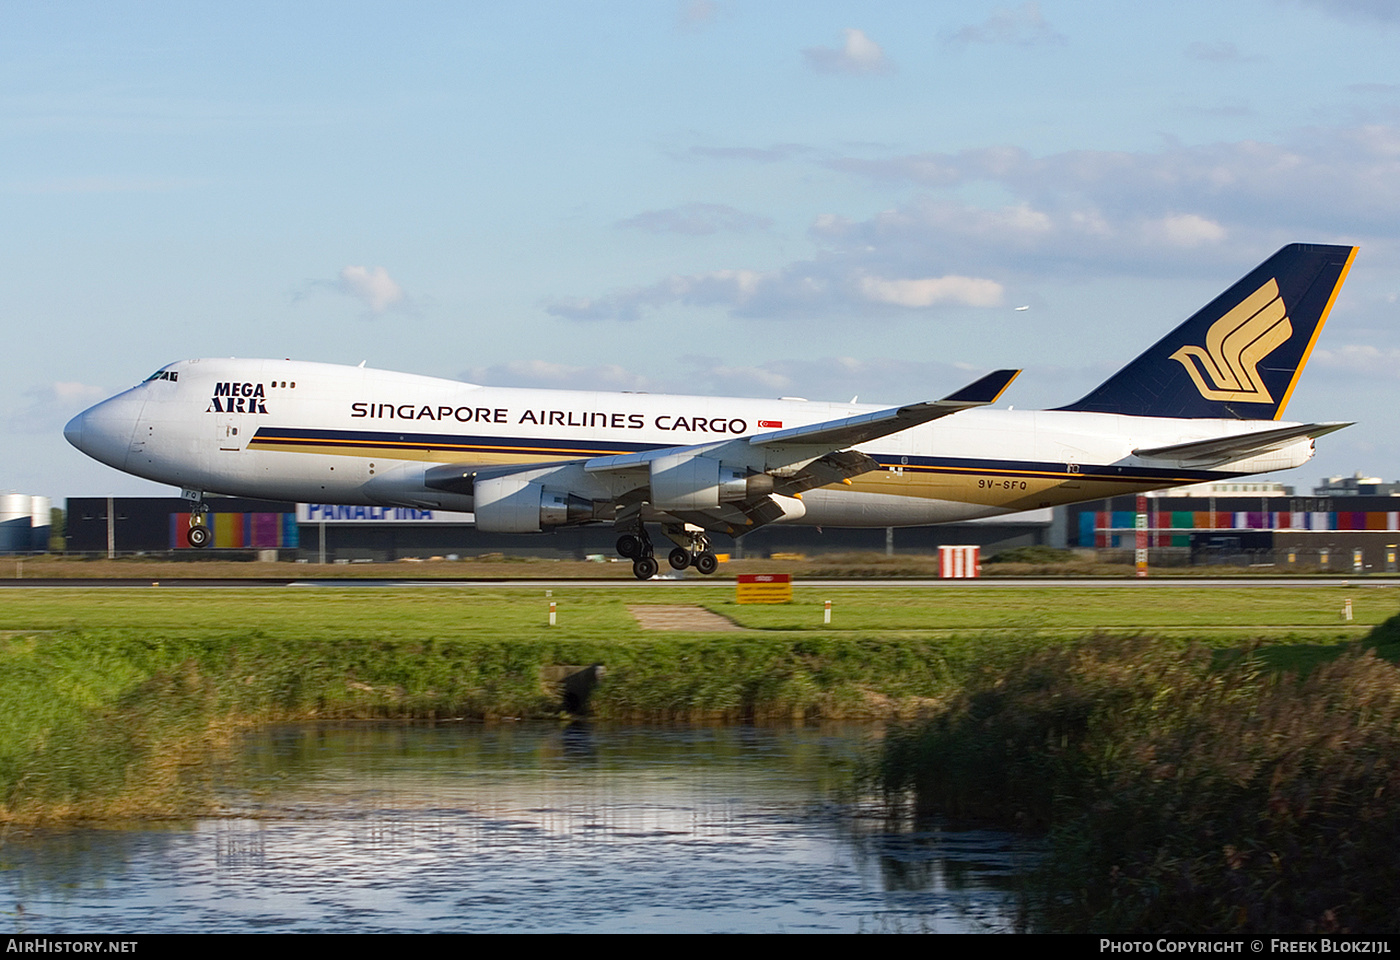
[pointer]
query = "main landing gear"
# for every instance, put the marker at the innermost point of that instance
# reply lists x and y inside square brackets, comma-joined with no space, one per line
[637,548]
[692,550]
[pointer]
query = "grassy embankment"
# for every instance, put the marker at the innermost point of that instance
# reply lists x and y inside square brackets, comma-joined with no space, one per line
[852,565]
[1196,794]
[117,700]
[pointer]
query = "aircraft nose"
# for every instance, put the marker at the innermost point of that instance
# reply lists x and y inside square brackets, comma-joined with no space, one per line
[104,432]
[73,432]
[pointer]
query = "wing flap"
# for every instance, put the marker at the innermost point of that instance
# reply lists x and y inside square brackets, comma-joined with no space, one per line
[832,468]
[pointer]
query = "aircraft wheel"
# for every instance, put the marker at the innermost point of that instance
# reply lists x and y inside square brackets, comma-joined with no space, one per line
[199,536]
[629,546]
[644,568]
[679,559]
[706,563]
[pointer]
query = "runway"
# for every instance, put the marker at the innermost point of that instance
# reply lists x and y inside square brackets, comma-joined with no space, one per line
[679,583]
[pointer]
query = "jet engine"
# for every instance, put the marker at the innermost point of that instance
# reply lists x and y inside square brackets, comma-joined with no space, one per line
[513,504]
[685,481]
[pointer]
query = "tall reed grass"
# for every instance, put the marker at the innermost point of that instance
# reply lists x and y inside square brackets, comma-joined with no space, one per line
[1182,792]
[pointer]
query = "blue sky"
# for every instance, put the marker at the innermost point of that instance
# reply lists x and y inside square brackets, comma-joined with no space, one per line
[821,199]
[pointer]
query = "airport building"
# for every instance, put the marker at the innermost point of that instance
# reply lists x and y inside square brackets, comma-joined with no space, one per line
[1345,525]
[243,529]
[1252,523]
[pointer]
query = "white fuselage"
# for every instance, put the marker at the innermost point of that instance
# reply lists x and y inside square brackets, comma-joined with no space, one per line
[312,432]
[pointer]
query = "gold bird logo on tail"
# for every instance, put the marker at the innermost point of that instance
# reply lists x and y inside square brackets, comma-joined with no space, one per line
[1235,344]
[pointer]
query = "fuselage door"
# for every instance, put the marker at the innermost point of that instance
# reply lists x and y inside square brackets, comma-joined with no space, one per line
[227,431]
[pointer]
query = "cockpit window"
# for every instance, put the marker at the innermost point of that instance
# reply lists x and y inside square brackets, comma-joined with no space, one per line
[164,375]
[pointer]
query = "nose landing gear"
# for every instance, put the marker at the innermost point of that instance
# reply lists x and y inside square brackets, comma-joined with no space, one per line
[199,535]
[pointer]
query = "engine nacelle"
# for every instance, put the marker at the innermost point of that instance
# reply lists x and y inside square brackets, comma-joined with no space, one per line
[513,504]
[685,481]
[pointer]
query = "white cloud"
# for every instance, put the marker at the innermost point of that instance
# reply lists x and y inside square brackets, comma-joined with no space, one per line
[1182,210]
[777,153]
[696,14]
[1222,52]
[833,286]
[1188,230]
[46,408]
[1383,11]
[858,54]
[970,291]
[558,376]
[1345,171]
[732,288]
[1022,26]
[696,219]
[373,287]
[70,392]
[1340,182]
[1362,359]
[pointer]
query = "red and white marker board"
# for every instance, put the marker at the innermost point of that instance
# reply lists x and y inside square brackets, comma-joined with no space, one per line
[960,561]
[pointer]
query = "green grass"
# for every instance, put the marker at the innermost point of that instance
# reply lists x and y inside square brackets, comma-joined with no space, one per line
[1222,615]
[117,700]
[417,612]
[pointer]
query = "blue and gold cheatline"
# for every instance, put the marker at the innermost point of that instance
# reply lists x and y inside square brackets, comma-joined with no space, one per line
[367,443]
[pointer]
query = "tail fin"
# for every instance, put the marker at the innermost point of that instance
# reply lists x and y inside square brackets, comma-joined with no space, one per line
[1239,356]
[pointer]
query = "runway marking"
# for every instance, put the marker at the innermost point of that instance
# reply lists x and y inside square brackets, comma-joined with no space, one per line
[659,616]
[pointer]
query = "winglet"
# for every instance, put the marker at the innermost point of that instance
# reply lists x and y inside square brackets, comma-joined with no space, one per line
[986,390]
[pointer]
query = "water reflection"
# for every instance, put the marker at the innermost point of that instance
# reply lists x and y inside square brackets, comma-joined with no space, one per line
[384,827]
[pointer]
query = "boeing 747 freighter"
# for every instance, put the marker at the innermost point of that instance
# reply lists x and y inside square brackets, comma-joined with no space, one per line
[1203,403]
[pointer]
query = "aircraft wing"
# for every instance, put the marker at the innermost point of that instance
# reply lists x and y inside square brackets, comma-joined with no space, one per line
[834,435]
[871,426]
[1239,446]
[732,485]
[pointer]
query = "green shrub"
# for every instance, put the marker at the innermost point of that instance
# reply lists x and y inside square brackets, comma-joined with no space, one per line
[1180,795]
[1033,555]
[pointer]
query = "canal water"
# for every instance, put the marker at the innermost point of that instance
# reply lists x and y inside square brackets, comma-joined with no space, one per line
[529,828]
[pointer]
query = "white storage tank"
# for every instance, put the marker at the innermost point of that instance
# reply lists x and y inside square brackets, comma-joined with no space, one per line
[15,511]
[40,523]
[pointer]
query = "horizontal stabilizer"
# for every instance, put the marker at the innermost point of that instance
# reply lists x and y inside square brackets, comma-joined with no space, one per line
[1239,446]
